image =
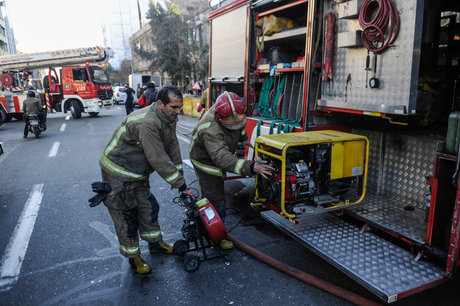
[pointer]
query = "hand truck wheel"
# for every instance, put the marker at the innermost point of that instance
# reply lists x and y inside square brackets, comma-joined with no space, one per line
[180,247]
[191,262]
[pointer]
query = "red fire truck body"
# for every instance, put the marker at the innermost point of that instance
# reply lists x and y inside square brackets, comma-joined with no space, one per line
[319,65]
[72,83]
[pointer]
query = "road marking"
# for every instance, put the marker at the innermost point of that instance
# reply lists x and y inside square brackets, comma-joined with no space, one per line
[185,139]
[17,247]
[54,149]
[67,118]
[63,127]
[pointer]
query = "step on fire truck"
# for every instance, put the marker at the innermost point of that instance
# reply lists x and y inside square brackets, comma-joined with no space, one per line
[357,105]
[71,83]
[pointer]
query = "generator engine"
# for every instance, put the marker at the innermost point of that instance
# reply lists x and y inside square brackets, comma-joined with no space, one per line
[308,175]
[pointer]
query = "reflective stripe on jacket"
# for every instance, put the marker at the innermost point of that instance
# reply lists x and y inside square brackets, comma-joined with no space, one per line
[213,146]
[144,142]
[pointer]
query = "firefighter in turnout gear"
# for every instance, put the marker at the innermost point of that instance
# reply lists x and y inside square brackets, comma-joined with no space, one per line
[143,143]
[214,142]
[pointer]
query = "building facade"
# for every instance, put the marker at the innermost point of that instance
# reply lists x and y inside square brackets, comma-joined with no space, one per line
[195,11]
[7,42]
[124,19]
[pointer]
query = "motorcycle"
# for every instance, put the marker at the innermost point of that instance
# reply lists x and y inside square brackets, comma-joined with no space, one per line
[34,125]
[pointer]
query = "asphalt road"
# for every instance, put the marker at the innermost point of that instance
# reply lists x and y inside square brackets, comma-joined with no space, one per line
[57,250]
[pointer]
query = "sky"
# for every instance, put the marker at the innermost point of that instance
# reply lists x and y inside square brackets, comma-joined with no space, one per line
[45,25]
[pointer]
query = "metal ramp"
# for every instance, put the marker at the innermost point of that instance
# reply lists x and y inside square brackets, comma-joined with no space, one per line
[388,214]
[383,268]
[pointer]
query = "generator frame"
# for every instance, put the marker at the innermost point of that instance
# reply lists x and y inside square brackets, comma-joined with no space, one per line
[284,142]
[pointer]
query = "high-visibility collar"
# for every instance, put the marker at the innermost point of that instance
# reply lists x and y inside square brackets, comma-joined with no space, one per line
[195,136]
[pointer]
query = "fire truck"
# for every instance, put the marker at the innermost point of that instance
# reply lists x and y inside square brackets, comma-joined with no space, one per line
[75,81]
[357,105]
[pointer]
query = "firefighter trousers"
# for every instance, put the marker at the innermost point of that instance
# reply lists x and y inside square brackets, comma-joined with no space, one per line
[139,218]
[212,188]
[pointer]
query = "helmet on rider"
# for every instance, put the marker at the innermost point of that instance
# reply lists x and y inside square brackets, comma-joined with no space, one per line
[230,111]
[31,93]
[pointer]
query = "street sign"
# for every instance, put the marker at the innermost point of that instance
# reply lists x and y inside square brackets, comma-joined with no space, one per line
[196,86]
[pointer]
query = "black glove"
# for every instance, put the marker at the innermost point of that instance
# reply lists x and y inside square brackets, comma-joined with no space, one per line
[101,187]
[102,190]
[97,199]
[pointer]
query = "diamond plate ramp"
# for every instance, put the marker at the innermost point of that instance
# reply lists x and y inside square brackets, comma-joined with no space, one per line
[385,269]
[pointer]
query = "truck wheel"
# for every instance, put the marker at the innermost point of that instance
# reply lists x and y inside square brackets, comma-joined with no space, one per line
[7,118]
[93,114]
[2,115]
[75,109]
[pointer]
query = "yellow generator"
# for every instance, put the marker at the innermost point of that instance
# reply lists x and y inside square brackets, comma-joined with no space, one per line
[315,171]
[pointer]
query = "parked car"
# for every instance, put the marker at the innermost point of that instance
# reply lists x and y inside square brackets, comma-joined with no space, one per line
[119,95]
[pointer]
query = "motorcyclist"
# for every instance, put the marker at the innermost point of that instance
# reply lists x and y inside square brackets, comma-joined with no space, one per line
[32,104]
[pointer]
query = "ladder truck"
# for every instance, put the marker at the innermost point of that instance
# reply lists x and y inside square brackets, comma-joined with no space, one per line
[75,81]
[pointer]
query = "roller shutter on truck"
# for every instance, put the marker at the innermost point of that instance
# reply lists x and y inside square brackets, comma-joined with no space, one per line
[228,40]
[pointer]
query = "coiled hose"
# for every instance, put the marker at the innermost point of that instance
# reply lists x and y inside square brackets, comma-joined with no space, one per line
[375,23]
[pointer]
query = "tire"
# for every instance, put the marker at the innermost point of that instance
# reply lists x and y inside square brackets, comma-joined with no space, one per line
[2,115]
[191,263]
[36,131]
[93,114]
[180,247]
[75,109]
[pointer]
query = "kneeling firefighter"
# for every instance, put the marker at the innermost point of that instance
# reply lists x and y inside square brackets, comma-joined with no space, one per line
[144,142]
[214,142]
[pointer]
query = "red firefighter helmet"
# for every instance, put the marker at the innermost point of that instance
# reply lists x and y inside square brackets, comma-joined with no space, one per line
[230,111]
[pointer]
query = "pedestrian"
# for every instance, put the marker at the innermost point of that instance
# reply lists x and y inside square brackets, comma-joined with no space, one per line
[129,104]
[214,142]
[32,104]
[150,95]
[138,90]
[144,142]
[204,98]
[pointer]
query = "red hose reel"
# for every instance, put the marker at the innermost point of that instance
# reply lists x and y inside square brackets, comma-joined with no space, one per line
[7,79]
[375,17]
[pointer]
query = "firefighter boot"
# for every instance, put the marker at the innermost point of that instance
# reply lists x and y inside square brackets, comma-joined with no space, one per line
[160,246]
[226,244]
[139,265]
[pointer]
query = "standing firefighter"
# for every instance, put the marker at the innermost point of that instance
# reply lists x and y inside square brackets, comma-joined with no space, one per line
[214,142]
[144,142]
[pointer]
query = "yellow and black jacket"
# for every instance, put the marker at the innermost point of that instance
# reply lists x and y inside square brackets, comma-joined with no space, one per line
[213,146]
[144,142]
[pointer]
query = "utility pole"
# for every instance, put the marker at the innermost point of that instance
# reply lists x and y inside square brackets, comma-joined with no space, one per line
[139,13]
